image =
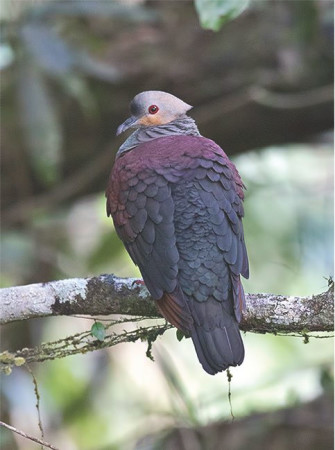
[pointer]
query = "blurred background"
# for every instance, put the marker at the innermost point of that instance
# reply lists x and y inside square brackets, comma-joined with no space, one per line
[261,87]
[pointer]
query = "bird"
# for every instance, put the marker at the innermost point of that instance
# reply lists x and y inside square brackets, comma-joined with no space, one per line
[177,204]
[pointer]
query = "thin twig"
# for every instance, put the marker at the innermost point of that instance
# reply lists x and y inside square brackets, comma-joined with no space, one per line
[297,100]
[28,436]
[80,343]
[265,97]
[229,377]
[37,395]
[69,187]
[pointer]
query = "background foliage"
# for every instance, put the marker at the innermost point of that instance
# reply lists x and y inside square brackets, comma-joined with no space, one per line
[261,87]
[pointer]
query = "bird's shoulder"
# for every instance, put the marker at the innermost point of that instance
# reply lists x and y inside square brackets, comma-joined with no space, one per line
[177,151]
[172,159]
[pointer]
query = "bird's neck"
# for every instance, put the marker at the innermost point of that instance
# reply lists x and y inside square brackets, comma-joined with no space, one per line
[184,125]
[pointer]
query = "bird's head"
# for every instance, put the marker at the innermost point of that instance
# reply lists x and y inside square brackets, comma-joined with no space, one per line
[152,108]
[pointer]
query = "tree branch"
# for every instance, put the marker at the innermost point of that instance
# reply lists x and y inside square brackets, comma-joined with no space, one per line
[27,436]
[108,294]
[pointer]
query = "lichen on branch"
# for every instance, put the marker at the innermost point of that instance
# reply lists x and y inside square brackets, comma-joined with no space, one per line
[108,295]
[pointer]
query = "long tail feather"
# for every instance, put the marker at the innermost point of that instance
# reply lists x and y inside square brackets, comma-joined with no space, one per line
[214,330]
[216,336]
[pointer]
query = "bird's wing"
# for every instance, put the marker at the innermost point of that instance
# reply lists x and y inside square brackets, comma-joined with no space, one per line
[143,212]
[210,239]
[141,198]
[208,226]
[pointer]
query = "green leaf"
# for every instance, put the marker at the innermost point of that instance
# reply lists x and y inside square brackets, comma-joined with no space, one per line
[40,123]
[49,50]
[93,8]
[98,331]
[214,13]
[54,55]
[180,335]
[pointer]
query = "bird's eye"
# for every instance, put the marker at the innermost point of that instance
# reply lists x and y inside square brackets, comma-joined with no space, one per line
[153,109]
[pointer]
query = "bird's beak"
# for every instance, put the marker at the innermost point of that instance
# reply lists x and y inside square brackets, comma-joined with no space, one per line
[131,121]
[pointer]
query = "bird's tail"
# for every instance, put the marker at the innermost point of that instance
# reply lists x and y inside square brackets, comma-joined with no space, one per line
[216,336]
[213,329]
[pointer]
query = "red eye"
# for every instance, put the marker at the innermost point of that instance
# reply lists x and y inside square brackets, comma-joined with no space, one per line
[153,109]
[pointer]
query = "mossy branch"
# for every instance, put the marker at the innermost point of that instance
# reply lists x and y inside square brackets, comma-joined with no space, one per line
[81,343]
[107,294]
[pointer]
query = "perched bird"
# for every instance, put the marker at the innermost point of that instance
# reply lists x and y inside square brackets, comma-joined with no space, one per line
[176,202]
